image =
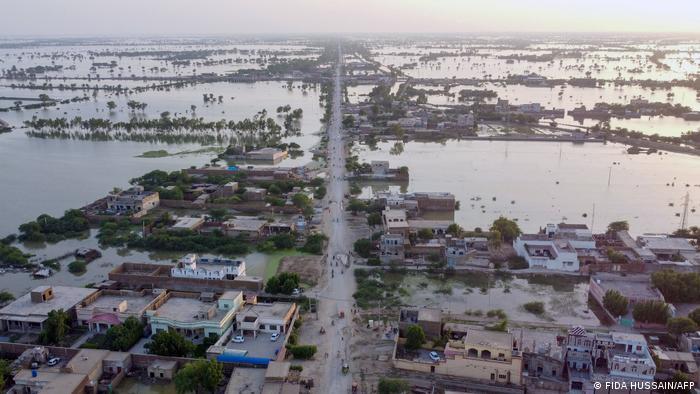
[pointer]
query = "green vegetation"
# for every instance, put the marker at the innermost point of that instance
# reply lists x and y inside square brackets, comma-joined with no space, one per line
[284,283]
[55,329]
[534,307]
[620,225]
[170,343]
[499,313]
[678,286]
[651,312]
[192,242]
[115,233]
[200,376]
[314,244]
[681,325]
[615,303]
[118,338]
[363,247]
[517,263]
[695,316]
[77,267]
[508,229]
[320,192]
[393,386]
[201,350]
[415,337]
[10,256]
[72,224]
[6,297]
[302,352]
[375,286]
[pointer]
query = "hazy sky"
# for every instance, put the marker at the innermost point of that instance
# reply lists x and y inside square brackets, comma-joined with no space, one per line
[149,17]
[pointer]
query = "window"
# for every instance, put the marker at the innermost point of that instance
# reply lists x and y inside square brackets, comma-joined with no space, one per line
[501,376]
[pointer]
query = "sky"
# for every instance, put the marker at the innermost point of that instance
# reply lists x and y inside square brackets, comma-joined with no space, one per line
[221,17]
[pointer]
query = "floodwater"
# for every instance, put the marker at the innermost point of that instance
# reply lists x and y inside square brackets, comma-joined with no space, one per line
[547,182]
[20,282]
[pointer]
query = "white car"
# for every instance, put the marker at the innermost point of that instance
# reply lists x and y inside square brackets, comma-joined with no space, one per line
[238,339]
[434,356]
[53,361]
[274,336]
[296,292]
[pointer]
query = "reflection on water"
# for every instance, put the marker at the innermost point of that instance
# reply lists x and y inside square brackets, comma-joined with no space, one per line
[21,282]
[545,182]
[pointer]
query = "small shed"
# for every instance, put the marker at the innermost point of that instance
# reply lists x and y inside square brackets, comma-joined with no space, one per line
[162,369]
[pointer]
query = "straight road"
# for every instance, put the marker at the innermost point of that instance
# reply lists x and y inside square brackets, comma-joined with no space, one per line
[340,283]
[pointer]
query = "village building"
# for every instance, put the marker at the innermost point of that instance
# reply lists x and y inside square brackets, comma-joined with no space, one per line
[271,318]
[108,308]
[29,312]
[246,226]
[193,266]
[135,201]
[195,314]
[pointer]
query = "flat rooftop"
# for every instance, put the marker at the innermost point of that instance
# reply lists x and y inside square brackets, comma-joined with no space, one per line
[52,382]
[665,243]
[87,360]
[630,286]
[135,302]
[64,297]
[184,309]
[276,310]
[496,339]
[246,224]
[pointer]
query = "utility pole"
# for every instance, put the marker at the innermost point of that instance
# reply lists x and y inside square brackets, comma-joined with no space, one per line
[684,218]
[593,218]
[609,175]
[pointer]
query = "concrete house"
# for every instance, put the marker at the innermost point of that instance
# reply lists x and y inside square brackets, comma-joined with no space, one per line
[194,314]
[29,312]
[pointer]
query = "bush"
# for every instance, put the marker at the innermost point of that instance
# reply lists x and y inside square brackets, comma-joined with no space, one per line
[695,315]
[518,263]
[393,386]
[496,313]
[314,243]
[303,352]
[615,303]
[373,261]
[534,307]
[296,368]
[77,267]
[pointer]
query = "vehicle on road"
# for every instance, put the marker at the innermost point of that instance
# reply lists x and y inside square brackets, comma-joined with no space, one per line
[53,361]
[434,356]
[274,336]
[296,292]
[238,339]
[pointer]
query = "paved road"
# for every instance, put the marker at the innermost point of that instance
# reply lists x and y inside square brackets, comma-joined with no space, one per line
[337,294]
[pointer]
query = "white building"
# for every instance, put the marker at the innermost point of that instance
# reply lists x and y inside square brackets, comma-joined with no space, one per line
[630,357]
[551,254]
[193,266]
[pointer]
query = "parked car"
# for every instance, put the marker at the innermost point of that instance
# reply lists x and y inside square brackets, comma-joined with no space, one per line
[434,356]
[296,292]
[53,361]
[238,339]
[274,336]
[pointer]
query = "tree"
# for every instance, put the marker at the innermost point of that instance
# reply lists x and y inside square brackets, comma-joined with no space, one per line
[6,297]
[356,206]
[415,337]
[363,247]
[217,214]
[122,337]
[615,302]
[681,325]
[303,352]
[374,219]
[695,315]
[199,376]
[320,192]
[111,105]
[455,230]
[170,343]
[653,311]
[508,229]
[55,327]
[284,283]
[393,386]
[425,234]
[620,225]
[301,200]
